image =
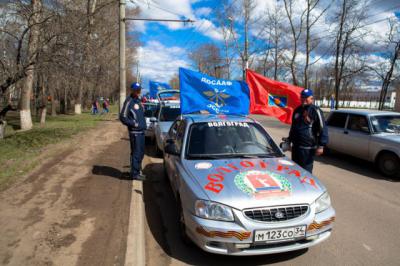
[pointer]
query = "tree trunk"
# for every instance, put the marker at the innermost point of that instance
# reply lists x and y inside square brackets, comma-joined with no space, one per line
[388,77]
[338,47]
[43,112]
[3,124]
[43,105]
[25,113]
[53,103]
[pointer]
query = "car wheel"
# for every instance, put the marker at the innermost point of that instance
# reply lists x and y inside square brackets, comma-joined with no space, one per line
[389,164]
[182,226]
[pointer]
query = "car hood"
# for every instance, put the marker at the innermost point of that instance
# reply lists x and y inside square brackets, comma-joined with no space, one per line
[252,183]
[387,137]
[165,126]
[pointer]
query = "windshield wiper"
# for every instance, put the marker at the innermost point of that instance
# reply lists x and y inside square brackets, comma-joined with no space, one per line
[203,156]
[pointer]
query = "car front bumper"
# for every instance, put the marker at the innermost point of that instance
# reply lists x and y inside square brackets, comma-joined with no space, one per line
[237,238]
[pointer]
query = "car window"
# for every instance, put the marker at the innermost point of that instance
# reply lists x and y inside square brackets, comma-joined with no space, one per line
[337,120]
[169,113]
[386,123]
[173,130]
[179,135]
[358,123]
[150,110]
[221,139]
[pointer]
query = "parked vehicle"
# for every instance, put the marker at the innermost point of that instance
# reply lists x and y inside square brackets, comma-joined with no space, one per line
[237,193]
[169,110]
[367,134]
[150,112]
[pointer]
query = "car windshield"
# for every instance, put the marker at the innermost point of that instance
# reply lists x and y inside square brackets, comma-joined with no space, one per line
[230,140]
[386,123]
[150,110]
[168,95]
[170,113]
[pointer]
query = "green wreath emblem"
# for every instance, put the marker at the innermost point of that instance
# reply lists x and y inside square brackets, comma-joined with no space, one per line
[239,181]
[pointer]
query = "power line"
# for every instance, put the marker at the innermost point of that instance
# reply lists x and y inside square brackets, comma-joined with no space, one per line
[209,26]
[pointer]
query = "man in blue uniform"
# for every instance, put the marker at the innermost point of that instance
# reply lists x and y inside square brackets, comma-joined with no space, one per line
[308,133]
[132,116]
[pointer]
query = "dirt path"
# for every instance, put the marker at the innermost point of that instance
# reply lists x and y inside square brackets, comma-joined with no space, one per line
[74,209]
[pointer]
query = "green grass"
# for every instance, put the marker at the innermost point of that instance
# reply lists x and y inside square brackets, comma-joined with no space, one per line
[20,149]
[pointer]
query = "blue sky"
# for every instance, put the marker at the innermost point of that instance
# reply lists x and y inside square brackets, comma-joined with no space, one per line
[165,46]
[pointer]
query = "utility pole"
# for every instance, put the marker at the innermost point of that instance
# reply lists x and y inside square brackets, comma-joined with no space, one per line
[122,61]
[246,40]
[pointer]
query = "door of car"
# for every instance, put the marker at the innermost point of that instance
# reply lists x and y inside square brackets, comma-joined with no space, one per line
[157,129]
[357,136]
[175,135]
[336,123]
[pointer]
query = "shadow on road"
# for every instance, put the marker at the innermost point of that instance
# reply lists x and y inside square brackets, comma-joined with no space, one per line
[104,170]
[162,219]
[354,165]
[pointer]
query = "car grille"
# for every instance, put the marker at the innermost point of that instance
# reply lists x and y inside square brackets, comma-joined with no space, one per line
[270,214]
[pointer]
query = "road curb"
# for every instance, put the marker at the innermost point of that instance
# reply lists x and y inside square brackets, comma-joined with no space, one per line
[135,246]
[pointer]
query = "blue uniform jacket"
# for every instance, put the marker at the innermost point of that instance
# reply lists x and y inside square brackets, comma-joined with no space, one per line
[132,115]
[308,128]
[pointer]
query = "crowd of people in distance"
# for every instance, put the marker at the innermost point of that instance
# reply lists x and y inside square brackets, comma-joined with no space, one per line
[104,103]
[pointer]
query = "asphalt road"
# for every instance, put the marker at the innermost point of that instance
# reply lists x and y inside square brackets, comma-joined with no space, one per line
[366,230]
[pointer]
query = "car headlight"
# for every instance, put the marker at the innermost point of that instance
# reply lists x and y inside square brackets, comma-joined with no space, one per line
[322,203]
[214,211]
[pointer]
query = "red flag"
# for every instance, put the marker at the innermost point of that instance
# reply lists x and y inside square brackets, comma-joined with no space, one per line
[272,98]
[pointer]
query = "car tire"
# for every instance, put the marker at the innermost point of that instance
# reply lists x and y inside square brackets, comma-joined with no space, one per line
[389,164]
[182,226]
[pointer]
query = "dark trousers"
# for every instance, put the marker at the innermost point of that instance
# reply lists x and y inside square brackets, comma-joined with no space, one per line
[137,152]
[304,157]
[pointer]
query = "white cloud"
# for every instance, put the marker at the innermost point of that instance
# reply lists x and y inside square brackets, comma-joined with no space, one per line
[177,9]
[161,63]
[203,11]
[207,28]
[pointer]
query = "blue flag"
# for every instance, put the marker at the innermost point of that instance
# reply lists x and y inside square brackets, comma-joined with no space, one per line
[155,87]
[217,96]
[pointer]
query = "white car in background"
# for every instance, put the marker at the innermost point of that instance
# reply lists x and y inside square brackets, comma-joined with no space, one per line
[367,134]
[150,111]
[168,111]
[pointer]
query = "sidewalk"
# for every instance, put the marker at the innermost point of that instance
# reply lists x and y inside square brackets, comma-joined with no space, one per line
[75,208]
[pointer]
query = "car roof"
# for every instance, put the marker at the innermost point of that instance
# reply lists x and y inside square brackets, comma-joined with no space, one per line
[365,112]
[170,102]
[199,118]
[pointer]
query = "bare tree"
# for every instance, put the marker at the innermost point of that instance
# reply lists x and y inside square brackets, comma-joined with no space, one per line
[25,112]
[274,27]
[311,19]
[207,58]
[394,41]
[296,30]
[224,16]
[351,15]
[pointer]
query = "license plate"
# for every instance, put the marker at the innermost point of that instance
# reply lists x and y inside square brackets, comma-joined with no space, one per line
[280,234]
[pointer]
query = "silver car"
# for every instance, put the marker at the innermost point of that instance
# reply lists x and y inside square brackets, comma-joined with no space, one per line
[169,111]
[237,193]
[367,134]
[150,111]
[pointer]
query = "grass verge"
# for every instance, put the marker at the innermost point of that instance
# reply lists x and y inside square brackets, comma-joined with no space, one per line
[20,150]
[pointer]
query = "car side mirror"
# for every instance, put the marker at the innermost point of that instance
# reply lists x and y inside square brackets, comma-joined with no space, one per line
[170,148]
[285,145]
[153,119]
